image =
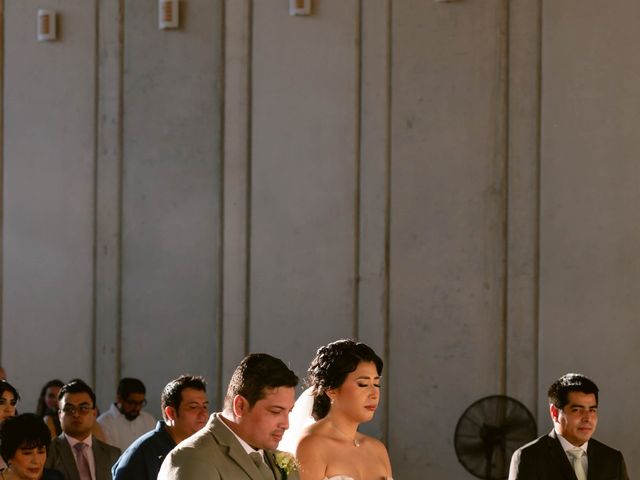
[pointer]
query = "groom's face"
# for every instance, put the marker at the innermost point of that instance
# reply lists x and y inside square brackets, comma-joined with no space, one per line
[577,421]
[264,424]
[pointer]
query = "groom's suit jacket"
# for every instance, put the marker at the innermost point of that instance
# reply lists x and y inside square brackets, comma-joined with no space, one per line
[545,459]
[61,458]
[214,453]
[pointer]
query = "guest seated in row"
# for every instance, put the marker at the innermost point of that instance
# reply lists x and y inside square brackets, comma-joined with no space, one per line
[47,407]
[185,409]
[75,452]
[125,420]
[24,441]
[8,400]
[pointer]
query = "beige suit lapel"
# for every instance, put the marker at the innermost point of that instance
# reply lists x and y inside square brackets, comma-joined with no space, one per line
[227,439]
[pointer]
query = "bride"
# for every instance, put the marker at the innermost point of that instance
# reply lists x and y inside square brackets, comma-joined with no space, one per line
[344,381]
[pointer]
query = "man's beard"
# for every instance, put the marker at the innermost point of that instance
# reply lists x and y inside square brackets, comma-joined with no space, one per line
[131,416]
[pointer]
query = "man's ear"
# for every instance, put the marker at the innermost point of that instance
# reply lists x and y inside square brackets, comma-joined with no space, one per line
[240,406]
[553,411]
[170,413]
[118,400]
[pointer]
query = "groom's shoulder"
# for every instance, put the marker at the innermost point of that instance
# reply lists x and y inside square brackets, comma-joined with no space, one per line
[541,443]
[601,448]
[192,459]
[203,439]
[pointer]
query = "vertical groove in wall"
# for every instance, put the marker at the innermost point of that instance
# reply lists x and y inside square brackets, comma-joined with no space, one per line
[120,194]
[504,126]
[2,50]
[96,134]
[387,217]
[107,196]
[357,187]
[250,23]
[538,156]
[221,249]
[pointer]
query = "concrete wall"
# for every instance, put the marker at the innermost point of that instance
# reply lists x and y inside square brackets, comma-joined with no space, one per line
[452,183]
[589,289]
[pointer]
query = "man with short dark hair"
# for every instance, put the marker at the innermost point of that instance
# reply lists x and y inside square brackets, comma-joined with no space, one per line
[569,451]
[75,452]
[185,409]
[239,443]
[125,420]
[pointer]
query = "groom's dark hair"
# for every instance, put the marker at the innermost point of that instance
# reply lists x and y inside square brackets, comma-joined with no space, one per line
[256,373]
[571,382]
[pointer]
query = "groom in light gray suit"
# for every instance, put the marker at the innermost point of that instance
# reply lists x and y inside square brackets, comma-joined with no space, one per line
[239,443]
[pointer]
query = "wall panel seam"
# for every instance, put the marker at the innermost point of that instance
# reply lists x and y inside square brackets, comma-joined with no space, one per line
[249,160]
[2,99]
[504,125]
[387,214]
[221,201]
[538,156]
[357,230]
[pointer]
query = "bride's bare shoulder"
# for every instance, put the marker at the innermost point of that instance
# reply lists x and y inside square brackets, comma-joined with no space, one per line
[314,437]
[377,448]
[372,442]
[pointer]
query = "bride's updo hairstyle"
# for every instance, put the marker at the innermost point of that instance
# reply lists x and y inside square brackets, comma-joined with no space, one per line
[330,368]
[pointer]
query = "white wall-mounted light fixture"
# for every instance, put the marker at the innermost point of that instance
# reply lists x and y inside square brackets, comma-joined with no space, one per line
[299,7]
[46,28]
[168,14]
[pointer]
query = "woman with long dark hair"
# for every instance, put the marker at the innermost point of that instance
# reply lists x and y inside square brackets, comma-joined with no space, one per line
[47,407]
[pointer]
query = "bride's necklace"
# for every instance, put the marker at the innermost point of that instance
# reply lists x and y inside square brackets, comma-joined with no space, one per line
[353,440]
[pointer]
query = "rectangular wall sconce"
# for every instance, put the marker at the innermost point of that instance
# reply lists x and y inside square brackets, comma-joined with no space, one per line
[46,29]
[299,7]
[168,14]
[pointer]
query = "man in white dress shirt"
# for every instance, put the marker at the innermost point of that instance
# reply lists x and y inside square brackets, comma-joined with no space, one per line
[569,452]
[125,420]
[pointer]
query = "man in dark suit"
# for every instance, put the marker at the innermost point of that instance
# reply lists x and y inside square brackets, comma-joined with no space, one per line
[75,452]
[569,452]
[239,443]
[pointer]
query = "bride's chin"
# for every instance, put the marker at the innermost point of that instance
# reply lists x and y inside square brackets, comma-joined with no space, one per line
[366,417]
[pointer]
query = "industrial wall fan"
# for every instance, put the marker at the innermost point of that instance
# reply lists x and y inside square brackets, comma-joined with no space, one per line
[489,431]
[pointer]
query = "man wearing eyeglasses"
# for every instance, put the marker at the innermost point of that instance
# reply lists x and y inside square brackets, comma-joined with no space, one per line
[125,420]
[75,452]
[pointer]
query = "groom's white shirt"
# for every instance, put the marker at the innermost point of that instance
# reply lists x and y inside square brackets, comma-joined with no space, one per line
[247,448]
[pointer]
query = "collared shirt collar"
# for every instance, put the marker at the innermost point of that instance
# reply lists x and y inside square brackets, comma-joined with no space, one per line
[566,445]
[72,441]
[247,448]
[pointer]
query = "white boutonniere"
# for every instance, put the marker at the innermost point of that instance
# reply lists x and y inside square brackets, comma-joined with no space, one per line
[286,463]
